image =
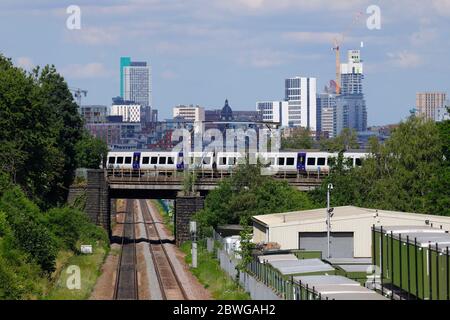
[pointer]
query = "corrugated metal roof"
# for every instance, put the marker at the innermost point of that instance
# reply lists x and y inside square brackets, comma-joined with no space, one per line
[349,261]
[409,229]
[346,212]
[323,280]
[338,288]
[363,268]
[290,267]
[277,257]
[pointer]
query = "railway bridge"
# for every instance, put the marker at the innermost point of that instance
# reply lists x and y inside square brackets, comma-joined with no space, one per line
[104,185]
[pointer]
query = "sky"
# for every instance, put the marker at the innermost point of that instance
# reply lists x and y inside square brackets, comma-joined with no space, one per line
[205,51]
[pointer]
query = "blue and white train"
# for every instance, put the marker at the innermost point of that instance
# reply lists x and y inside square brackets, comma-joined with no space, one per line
[287,162]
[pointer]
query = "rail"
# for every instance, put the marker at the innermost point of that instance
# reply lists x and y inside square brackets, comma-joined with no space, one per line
[165,271]
[126,286]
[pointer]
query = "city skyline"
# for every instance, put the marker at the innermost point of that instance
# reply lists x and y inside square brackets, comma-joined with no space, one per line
[240,50]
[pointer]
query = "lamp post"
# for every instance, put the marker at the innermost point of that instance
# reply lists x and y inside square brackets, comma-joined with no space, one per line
[329,214]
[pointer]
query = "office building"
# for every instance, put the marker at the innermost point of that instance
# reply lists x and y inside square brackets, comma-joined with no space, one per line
[129,112]
[94,113]
[351,110]
[135,81]
[274,111]
[189,113]
[300,93]
[326,114]
[427,104]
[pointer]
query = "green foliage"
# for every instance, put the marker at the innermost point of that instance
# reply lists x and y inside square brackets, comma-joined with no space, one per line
[90,152]
[248,193]
[30,234]
[211,275]
[299,139]
[346,140]
[410,172]
[40,156]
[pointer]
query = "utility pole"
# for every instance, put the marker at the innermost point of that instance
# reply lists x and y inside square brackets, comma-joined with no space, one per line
[193,230]
[329,215]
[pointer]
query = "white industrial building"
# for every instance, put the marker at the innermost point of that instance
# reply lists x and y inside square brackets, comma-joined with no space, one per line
[190,113]
[351,235]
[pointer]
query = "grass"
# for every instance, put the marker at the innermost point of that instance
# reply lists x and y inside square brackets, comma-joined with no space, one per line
[89,265]
[212,277]
[167,218]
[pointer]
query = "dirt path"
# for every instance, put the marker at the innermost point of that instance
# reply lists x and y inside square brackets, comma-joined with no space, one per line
[104,288]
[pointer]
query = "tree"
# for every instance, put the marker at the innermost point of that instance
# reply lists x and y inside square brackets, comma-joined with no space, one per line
[248,193]
[91,152]
[346,140]
[299,139]
[39,128]
[408,173]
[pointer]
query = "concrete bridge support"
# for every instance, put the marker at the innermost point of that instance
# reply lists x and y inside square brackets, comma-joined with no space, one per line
[185,208]
[96,201]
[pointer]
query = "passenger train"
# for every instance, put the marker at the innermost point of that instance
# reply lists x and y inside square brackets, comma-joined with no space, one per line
[289,162]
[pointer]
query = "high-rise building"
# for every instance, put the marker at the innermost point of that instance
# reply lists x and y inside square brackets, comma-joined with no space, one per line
[326,114]
[351,111]
[135,81]
[352,74]
[274,111]
[427,104]
[300,93]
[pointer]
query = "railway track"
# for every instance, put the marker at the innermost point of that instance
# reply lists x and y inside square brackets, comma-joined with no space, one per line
[169,283]
[126,287]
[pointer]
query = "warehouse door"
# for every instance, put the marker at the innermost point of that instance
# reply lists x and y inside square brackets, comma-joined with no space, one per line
[341,243]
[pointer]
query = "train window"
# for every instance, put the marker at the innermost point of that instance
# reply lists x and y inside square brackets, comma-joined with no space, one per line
[162,160]
[281,161]
[207,160]
[119,160]
[112,160]
[311,161]
[290,161]
[272,161]
[231,161]
[358,162]
[127,160]
[321,161]
[223,161]
[170,160]
[154,160]
[145,160]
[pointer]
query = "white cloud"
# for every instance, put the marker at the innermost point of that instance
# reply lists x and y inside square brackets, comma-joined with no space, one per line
[85,71]
[169,75]
[25,63]
[314,37]
[442,7]
[405,59]
[269,6]
[424,36]
[94,36]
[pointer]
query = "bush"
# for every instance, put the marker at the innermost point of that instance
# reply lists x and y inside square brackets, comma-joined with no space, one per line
[30,234]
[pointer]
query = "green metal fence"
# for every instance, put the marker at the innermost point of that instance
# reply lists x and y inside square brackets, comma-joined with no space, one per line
[284,286]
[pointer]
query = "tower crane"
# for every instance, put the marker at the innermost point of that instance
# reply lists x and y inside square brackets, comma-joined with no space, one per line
[78,94]
[337,43]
